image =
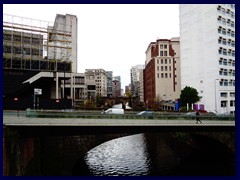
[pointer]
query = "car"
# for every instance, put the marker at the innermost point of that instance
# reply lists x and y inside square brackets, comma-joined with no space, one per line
[113,111]
[145,113]
[190,114]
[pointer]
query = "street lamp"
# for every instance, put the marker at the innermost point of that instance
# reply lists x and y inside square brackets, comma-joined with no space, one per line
[215,81]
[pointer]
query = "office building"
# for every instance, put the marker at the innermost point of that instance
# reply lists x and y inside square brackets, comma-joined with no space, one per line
[207,36]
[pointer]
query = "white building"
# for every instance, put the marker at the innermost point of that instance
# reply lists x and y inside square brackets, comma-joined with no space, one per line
[207,36]
[99,78]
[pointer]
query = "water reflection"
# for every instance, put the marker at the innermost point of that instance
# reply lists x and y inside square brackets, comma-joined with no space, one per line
[123,156]
[158,154]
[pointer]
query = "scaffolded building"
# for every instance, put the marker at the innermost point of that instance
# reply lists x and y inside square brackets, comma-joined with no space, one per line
[36,49]
[31,44]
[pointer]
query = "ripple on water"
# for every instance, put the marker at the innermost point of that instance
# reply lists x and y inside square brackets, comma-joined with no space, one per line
[122,156]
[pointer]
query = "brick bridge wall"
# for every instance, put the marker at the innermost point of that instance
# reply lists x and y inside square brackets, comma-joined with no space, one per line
[38,155]
[58,154]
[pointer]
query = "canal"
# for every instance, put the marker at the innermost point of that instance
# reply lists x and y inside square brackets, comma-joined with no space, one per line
[158,154]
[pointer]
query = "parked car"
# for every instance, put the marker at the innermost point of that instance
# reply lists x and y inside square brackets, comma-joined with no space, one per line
[145,113]
[192,113]
[113,111]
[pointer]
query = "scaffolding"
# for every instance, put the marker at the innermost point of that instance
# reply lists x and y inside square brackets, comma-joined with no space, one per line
[30,44]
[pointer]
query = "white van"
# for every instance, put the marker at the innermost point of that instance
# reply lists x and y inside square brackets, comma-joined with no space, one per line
[113,111]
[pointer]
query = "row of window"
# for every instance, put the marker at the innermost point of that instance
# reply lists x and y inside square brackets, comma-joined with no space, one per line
[226,62]
[23,51]
[227,83]
[228,42]
[225,72]
[163,53]
[163,46]
[227,11]
[225,94]
[165,75]
[225,31]
[226,52]
[166,61]
[164,68]
[30,40]
[225,103]
[227,22]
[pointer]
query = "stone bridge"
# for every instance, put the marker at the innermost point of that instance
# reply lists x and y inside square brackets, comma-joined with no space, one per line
[110,101]
[55,154]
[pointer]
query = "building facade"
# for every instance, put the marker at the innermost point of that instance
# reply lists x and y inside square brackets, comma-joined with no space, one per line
[162,72]
[39,55]
[116,84]
[136,80]
[62,42]
[207,35]
[109,83]
[99,79]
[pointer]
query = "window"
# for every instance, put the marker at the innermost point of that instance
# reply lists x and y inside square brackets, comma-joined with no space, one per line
[224,31]
[158,75]
[165,53]
[158,61]
[170,61]
[161,68]
[157,68]
[165,61]
[232,103]
[170,75]
[161,46]
[170,68]
[161,61]
[166,75]
[223,103]
[224,41]
[165,46]
[166,68]
[162,76]
[225,62]
[224,52]
[161,53]
[223,94]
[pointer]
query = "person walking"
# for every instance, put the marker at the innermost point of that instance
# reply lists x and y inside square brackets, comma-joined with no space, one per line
[197,117]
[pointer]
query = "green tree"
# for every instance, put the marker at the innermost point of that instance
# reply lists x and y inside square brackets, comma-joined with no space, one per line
[189,95]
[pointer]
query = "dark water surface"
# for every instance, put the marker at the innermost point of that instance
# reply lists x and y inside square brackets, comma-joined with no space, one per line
[155,154]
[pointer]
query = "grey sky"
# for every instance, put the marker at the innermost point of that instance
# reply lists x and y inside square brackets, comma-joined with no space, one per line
[112,37]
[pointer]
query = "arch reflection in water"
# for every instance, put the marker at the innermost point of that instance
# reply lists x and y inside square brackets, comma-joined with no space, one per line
[122,156]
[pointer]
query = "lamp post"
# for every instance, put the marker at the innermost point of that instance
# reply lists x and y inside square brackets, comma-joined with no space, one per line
[215,81]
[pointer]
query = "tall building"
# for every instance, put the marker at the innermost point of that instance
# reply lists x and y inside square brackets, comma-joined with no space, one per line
[135,80]
[162,72]
[109,83]
[116,86]
[207,36]
[41,55]
[62,42]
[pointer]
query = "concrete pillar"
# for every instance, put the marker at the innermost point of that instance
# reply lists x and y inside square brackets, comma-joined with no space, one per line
[56,85]
[71,86]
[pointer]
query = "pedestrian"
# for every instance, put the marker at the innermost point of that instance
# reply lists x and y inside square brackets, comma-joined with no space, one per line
[197,117]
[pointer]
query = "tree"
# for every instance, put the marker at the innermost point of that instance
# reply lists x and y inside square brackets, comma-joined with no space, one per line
[189,95]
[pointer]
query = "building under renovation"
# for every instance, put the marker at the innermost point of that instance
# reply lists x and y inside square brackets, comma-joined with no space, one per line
[40,63]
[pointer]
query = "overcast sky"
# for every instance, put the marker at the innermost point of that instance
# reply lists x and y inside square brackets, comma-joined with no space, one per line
[111,37]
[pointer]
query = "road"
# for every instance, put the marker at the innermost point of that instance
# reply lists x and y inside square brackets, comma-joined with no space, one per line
[22,120]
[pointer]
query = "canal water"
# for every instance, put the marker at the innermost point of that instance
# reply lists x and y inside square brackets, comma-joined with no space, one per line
[158,154]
